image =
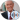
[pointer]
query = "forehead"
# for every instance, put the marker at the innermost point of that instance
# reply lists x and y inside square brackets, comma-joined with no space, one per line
[8,2]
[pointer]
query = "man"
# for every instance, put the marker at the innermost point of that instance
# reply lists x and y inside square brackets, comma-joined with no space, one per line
[9,6]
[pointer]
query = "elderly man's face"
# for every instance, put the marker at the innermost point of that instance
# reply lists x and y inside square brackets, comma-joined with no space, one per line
[9,5]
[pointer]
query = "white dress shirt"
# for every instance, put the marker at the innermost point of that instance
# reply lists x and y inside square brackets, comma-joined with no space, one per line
[9,14]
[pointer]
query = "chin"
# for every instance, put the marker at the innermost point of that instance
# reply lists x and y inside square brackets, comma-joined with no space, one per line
[10,10]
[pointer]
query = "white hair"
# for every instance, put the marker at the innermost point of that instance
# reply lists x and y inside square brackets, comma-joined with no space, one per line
[9,0]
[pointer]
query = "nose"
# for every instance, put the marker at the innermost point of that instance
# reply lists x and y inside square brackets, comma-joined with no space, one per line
[9,6]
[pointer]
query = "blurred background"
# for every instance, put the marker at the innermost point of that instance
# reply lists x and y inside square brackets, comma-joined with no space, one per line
[16,6]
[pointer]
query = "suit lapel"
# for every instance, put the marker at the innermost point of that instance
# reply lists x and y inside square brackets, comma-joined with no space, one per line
[6,15]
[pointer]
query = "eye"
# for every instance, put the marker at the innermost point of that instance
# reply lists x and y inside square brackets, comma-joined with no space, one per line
[7,5]
[10,4]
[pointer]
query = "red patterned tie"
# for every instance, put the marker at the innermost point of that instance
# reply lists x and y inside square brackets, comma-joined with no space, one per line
[10,16]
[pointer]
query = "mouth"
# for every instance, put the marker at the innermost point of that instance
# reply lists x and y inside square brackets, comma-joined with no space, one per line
[9,8]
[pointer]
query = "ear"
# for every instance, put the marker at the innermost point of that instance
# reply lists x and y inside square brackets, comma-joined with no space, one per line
[13,4]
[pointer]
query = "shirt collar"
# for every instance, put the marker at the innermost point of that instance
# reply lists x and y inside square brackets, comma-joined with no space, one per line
[9,12]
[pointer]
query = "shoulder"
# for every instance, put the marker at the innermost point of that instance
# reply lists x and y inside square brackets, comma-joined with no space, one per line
[4,13]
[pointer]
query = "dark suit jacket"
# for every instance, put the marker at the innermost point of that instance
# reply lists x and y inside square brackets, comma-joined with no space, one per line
[5,14]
